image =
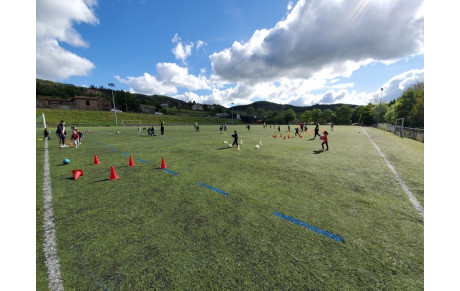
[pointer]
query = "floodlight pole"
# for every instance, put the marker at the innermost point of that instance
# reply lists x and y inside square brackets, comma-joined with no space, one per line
[113,99]
[232,113]
[380,106]
[126,103]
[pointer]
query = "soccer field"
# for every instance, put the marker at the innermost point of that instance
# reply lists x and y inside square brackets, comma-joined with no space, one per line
[285,215]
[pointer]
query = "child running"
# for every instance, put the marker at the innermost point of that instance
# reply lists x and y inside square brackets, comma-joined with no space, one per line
[324,138]
[76,138]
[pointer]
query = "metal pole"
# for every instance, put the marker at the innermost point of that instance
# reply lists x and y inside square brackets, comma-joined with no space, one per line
[232,113]
[380,107]
[113,99]
[126,103]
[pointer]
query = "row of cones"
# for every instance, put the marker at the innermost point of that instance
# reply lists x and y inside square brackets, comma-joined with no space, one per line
[284,137]
[113,174]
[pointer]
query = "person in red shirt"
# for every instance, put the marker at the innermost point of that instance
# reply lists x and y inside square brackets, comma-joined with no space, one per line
[324,138]
[76,138]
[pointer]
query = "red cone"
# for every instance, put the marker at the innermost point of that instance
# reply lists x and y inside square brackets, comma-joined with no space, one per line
[163,164]
[77,174]
[284,138]
[113,175]
[96,160]
[131,163]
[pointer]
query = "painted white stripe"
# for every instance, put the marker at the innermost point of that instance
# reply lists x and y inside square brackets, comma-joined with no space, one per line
[49,243]
[409,194]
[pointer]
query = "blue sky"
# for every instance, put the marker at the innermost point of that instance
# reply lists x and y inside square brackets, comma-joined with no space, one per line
[233,51]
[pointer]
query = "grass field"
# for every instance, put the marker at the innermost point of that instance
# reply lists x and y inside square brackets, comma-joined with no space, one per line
[153,229]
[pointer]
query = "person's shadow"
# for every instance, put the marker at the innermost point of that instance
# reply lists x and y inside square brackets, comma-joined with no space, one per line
[317,152]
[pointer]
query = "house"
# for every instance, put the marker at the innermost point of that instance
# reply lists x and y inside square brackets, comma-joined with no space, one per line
[165,104]
[78,103]
[197,106]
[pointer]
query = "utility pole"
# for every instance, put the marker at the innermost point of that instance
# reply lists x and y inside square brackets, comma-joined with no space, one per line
[380,106]
[113,99]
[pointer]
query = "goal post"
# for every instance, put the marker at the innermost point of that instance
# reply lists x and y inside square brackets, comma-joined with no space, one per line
[41,121]
[399,125]
[131,122]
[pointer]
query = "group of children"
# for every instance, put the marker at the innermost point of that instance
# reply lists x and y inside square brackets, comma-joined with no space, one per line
[61,134]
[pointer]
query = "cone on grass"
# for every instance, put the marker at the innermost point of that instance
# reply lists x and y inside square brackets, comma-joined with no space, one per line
[96,160]
[113,175]
[77,174]
[131,163]
[284,138]
[163,164]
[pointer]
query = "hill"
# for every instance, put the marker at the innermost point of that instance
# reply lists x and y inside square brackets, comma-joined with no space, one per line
[270,106]
[133,101]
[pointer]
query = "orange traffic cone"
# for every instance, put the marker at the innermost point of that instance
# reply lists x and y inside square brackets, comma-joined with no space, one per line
[96,160]
[131,163]
[77,174]
[163,164]
[113,175]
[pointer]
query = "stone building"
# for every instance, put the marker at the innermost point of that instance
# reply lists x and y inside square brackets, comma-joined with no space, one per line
[78,102]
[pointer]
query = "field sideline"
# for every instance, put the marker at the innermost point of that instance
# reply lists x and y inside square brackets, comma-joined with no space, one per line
[157,229]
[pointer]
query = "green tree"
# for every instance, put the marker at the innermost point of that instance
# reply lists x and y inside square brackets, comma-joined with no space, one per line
[306,116]
[250,111]
[289,115]
[326,115]
[357,112]
[344,114]
[390,115]
[410,99]
[260,113]
[368,114]
[316,114]
[417,113]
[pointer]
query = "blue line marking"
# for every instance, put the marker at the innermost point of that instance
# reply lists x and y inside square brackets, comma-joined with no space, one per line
[214,189]
[142,161]
[125,154]
[171,172]
[113,149]
[311,227]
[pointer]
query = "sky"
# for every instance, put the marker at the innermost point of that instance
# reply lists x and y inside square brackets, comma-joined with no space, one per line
[236,52]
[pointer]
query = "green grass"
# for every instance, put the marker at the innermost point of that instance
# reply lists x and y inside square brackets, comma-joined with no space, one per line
[107,118]
[151,229]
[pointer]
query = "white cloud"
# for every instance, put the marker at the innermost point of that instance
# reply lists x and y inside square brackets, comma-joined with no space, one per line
[301,92]
[54,24]
[183,51]
[336,37]
[398,84]
[169,77]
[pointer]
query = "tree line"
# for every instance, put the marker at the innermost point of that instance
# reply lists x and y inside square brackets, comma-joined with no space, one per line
[410,106]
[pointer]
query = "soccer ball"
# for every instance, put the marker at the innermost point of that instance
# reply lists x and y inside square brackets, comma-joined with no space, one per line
[66,161]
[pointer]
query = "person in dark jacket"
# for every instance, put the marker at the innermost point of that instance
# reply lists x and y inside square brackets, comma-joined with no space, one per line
[235,138]
[317,130]
[61,132]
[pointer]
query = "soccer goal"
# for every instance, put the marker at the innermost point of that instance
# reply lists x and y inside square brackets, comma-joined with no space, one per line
[131,122]
[41,122]
[399,125]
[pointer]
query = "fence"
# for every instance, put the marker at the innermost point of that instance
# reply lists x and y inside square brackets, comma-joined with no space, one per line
[413,133]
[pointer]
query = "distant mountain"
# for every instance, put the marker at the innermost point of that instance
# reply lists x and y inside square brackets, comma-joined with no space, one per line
[270,106]
[66,91]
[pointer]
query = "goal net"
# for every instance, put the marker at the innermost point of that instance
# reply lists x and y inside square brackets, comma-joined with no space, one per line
[399,125]
[131,122]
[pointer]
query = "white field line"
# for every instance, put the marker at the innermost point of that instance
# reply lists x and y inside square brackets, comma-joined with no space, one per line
[49,243]
[409,194]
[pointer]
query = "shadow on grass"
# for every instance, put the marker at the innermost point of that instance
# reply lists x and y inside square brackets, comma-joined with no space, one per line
[318,152]
[225,148]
